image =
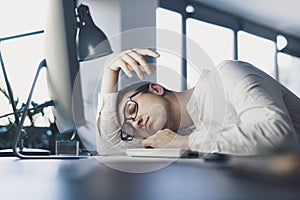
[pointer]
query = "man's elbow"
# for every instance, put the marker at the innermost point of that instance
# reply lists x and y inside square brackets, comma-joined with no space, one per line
[277,133]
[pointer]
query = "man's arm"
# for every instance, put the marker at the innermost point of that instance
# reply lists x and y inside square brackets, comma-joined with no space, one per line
[130,61]
[263,120]
[166,138]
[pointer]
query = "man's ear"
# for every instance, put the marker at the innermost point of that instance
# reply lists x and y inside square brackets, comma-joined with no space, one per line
[156,89]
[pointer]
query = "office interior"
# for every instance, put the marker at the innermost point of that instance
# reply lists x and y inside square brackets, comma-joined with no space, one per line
[264,33]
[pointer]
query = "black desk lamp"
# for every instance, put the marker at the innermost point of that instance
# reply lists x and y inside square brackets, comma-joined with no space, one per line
[91,43]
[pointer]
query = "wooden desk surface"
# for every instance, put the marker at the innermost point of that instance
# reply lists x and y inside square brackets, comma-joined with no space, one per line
[89,179]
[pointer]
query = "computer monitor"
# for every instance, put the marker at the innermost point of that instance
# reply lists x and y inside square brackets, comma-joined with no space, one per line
[62,65]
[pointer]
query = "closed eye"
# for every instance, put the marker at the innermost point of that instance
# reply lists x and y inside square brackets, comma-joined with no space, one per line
[131,109]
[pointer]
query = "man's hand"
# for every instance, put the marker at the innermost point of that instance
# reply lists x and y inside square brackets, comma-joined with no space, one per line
[166,139]
[130,61]
[133,61]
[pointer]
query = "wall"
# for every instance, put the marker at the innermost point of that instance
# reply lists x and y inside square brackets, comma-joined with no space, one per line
[123,22]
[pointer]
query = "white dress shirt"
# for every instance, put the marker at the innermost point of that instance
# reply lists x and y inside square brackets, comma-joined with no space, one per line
[252,113]
[236,109]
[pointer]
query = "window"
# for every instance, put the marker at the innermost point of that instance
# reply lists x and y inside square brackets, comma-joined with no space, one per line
[216,41]
[169,24]
[220,43]
[257,51]
[22,56]
[289,70]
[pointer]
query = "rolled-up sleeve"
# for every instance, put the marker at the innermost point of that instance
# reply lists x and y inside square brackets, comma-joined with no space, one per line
[108,138]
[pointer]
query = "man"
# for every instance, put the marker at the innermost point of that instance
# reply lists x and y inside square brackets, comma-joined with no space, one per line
[234,109]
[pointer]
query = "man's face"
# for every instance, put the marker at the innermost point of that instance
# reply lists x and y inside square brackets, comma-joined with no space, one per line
[151,110]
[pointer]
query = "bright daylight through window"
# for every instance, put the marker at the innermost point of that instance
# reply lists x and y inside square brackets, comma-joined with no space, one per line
[22,56]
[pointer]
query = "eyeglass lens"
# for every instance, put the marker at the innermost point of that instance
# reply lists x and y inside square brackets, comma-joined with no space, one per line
[131,109]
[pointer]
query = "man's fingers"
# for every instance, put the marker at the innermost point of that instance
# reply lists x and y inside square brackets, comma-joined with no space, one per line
[146,144]
[125,68]
[143,65]
[147,52]
[165,138]
[133,60]
[150,142]
[133,64]
[154,141]
[138,55]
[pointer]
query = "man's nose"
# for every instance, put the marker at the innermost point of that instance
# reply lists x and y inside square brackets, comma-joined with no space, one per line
[137,122]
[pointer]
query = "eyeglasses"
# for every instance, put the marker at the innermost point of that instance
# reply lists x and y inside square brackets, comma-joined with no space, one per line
[130,112]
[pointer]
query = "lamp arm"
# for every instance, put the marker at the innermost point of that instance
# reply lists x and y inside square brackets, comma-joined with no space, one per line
[25,111]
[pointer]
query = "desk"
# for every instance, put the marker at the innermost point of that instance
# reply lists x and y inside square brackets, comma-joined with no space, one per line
[89,179]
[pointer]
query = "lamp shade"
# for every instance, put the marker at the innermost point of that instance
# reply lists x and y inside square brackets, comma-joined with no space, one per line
[91,41]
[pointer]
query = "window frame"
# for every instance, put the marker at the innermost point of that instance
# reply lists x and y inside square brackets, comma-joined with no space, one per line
[214,16]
